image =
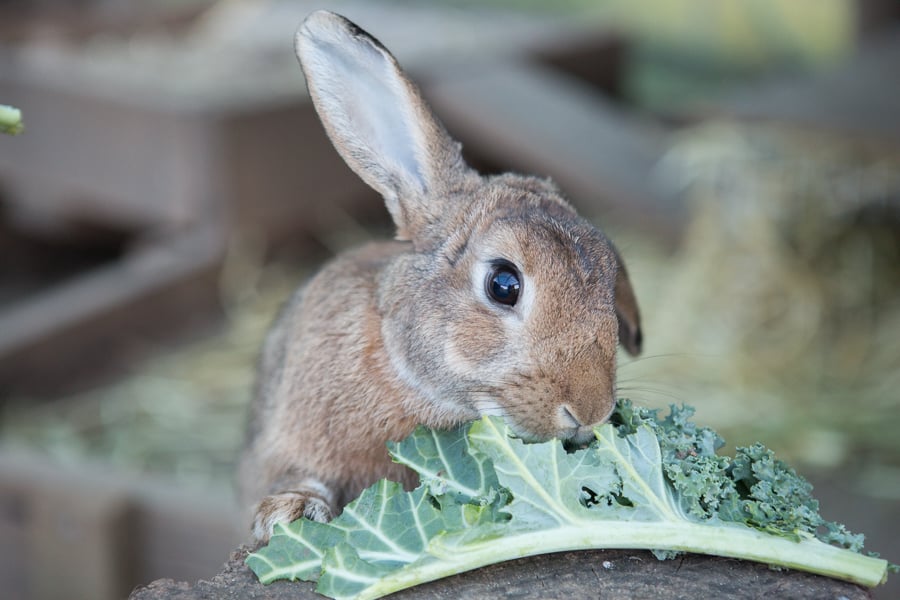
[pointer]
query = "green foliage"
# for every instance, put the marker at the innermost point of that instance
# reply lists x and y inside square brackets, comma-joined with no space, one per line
[10,120]
[486,496]
[753,488]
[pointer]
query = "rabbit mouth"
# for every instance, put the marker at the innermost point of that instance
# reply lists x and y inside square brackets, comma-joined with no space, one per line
[569,429]
[579,441]
[573,431]
[571,438]
[583,436]
[564,425]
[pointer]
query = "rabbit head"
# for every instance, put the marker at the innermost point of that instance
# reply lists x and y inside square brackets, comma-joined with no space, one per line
[505,302]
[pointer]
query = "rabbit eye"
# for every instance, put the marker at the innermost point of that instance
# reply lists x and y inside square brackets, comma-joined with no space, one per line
[503,284]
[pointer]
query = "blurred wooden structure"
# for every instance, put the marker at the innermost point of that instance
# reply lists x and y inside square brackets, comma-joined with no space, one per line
[177,176]
[87,532]
[859,99]
[103,319]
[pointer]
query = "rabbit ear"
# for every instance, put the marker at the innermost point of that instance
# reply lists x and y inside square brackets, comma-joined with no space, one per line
[377,120]
[630,335]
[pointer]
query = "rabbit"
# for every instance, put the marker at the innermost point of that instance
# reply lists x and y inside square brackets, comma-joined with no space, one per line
[495,298]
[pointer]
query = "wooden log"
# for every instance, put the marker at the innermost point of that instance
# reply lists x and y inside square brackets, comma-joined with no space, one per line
[586,574]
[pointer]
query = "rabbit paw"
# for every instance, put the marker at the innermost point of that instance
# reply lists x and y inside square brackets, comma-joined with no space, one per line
[286,507]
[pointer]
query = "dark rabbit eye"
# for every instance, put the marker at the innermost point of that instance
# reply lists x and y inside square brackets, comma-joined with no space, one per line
[503,284]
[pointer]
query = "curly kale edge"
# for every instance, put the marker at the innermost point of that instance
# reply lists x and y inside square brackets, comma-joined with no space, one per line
[753,487]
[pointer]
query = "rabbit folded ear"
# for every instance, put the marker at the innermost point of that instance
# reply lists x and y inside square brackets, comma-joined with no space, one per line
[630,335]
[377,120]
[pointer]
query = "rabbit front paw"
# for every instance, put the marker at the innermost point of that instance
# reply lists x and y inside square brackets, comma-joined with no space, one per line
[286,507]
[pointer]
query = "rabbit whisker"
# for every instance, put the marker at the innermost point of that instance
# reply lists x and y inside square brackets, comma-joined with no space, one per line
[645,390]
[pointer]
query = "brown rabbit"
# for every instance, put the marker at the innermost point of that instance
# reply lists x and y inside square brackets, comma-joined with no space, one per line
[496,299]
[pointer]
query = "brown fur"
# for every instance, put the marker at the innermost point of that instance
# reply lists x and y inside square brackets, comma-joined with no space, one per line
[395,334]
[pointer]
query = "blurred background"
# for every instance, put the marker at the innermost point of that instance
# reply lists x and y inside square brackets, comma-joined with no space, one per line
[173,186]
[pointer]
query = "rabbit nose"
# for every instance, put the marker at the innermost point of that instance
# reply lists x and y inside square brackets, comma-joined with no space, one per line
[576,433]
[570,421]
[567,419]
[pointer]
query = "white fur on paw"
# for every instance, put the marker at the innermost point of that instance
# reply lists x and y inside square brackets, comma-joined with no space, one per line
[317,509]
[285,508]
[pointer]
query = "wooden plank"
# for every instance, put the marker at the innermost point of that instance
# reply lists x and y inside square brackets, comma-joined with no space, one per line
[93,532]
[161,289]
[72,537]
[183,534]
[77,543]
[861,98]
[93,157]
[535,119]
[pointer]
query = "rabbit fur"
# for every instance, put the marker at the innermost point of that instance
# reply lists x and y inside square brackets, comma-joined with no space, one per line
[405,332]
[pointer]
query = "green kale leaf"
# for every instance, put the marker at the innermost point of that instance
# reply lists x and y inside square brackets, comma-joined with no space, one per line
[486,496]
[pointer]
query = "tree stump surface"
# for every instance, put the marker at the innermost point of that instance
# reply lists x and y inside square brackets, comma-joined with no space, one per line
[606,574]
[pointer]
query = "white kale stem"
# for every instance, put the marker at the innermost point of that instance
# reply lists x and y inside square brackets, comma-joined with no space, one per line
[732,541]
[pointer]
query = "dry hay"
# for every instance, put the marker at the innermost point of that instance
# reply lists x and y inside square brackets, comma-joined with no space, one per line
[779,316]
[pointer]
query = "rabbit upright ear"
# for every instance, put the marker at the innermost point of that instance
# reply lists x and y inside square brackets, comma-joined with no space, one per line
[630,335]
[377,120]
